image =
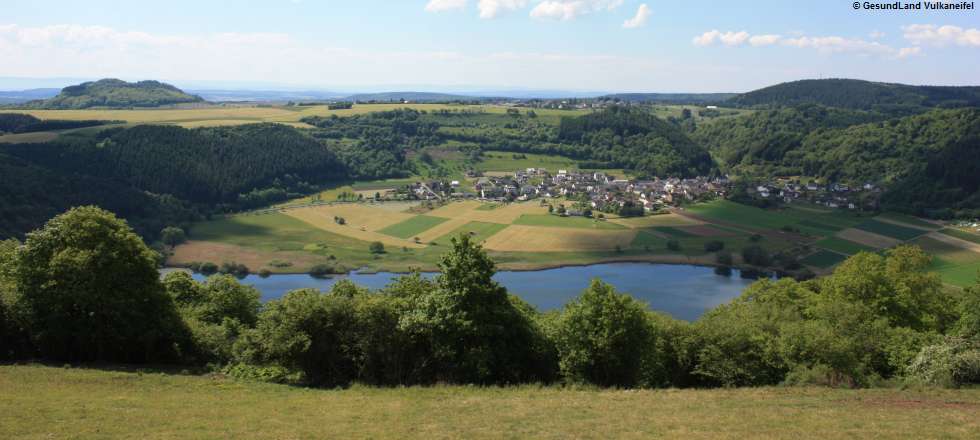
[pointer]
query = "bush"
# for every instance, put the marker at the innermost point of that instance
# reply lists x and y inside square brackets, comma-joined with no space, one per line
[208,268]
[93,292]
[377,247]
[470,327]
[953,362]
[714,246]
[602,337]
[673,245]
[756,256]
[232,268]
[324,270]
[308,332]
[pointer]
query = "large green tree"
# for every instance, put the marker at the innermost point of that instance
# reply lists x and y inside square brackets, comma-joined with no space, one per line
[603,337]
[93,292]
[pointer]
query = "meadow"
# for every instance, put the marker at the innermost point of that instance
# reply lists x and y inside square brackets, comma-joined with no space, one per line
[51,402]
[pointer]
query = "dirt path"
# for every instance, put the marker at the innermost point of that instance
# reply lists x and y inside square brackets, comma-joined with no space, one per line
[938,236]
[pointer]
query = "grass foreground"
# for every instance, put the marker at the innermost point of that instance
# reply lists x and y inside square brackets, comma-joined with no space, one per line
[51,402]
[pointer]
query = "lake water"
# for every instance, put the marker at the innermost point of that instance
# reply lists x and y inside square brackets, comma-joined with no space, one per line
[684,292]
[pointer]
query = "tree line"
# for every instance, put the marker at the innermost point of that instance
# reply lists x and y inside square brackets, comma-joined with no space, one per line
[84,288]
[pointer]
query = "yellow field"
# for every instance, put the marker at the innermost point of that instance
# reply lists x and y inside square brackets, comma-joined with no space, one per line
[506,214]
[868,239]
[362,222]
[28,137]
[518,238]
[656,220]
[197,251]
[246,114]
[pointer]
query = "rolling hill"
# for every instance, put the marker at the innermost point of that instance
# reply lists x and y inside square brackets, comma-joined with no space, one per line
[860,95]
[115,93]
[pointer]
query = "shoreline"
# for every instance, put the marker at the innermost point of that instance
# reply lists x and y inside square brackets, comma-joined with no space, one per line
[672,260]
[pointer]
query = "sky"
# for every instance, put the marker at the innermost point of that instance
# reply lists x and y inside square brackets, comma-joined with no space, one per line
[454,45]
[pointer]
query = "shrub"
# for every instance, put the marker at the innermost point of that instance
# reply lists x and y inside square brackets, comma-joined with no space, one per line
[756,256]
[953,362]
[232,268]
[673,245]
[724,258]
[324,270]
[602,337]
[377,247]
[208,268]
[714,246]
[468,324]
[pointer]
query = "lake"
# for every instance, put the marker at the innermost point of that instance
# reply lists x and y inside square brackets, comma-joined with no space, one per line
[685,292]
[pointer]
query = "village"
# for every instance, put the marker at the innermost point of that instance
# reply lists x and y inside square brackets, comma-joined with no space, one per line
[599,191]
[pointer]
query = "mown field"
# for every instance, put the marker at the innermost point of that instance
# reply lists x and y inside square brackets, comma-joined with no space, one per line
[525,236]
[518,235]
[50,402]
[237,114]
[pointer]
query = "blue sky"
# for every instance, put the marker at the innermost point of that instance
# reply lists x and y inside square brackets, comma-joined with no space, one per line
[585,45]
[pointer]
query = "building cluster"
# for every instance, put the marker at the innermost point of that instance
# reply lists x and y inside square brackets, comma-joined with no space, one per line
[597,190]
[832,195]
[603,192]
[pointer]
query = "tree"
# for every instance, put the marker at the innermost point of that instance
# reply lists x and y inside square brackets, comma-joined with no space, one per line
[471,328]
[377,247]
[602,337]
[94,293]
[172,236]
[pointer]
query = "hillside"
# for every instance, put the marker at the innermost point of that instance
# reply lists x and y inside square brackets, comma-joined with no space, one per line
[670,98]
[928,160]
[858,94]
[57,402]
[115,93]
[637,140]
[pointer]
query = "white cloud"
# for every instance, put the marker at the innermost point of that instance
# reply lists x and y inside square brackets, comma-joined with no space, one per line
[444,5]
[941,35]
[876,35]
[640,19]
[493,8]
[826,44]
[906,52]
[834,44]
[764,40]
[727,38]
[570,9]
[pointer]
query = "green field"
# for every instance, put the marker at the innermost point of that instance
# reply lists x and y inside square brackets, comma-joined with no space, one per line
[909,220]
[413,226]
[890,230]
[565,222]
[504,161]
[674,232]
[824,259]
[962,235]
[742,215]
[40,402]
[842,246]
[480,231]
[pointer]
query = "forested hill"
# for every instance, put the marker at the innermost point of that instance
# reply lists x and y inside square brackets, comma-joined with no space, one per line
[861,95]
[635,139]
[208,165]
[758,143]
[116,93]
[156,176]
[928,161]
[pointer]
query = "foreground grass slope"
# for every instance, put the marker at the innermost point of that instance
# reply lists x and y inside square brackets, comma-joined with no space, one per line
[47,402]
